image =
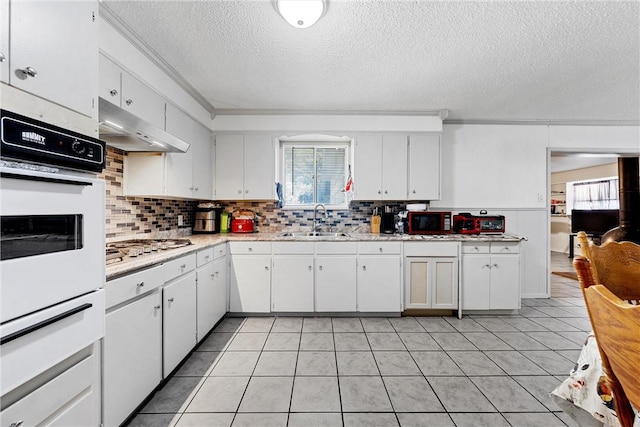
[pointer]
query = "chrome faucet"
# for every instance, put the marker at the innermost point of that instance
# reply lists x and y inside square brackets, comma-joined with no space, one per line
[315,215]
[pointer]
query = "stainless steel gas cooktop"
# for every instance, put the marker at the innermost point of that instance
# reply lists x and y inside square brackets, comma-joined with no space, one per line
[119,251]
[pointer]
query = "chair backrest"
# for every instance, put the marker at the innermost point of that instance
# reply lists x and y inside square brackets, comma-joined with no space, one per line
[615,265]
[617,328]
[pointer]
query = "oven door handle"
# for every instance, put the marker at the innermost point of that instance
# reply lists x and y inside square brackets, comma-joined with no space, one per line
[44,323]
[44,179]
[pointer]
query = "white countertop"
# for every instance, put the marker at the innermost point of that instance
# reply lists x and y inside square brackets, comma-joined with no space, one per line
[201,241]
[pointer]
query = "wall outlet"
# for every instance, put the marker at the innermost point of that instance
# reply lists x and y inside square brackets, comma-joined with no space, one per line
[180,220]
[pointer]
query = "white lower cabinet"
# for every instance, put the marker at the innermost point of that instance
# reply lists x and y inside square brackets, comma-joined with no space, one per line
[336,283]
[212,284]
[431,275]
[178,320]
[292,283]
[491,276]
[132,365]
[378,277]
[250,277]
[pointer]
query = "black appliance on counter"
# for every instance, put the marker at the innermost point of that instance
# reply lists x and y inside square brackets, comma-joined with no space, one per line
[387,223]
[207,220]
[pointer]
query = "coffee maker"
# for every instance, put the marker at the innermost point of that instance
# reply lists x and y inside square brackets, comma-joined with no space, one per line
[388,223]
[207,220]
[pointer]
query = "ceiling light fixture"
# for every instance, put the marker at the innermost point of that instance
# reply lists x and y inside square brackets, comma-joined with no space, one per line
[301,13]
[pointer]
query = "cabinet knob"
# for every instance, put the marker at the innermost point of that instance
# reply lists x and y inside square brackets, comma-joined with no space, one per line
[206,257]
[183,266]
[495,266]
[379,192]
[139,285]
[170,299]
[27,72]
[2,57]
[191,188]
[250,249]
[487,265]
[364,268]
[320,267]
[414,192]
[17,423]
[157,307]
[196,188]
[239,191]
[113,92]
[475,248]
[309,268]
[385,191]
[266,268]
[129,101]
[246,191]
[380,249]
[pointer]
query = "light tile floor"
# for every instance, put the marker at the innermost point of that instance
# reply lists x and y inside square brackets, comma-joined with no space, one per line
[410,371]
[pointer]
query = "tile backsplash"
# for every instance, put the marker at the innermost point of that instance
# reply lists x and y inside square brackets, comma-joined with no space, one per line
[128,216]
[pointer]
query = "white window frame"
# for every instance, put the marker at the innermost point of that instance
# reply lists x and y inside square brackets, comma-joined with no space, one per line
[318,141]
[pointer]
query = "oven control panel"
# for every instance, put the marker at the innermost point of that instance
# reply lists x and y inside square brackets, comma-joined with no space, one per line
[26,139]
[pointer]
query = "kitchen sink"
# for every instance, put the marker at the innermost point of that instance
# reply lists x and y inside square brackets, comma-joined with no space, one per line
[313,234]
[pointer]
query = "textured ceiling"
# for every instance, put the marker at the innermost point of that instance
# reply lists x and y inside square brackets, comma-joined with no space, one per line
[482,60]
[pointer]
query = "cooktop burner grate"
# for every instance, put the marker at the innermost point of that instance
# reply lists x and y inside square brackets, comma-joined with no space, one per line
[116,251]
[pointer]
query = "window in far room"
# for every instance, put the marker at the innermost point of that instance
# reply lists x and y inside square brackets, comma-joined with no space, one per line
[594,194]
[314,172]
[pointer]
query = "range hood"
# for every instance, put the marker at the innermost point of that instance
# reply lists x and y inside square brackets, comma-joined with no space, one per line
[121,129]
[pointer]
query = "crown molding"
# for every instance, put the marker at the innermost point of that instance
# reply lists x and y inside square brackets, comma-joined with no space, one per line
[542,122]
[124,30]
[275,112]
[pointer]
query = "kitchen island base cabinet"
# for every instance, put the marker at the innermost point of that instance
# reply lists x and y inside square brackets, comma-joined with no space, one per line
[132,356]
[490,276]
[179,320]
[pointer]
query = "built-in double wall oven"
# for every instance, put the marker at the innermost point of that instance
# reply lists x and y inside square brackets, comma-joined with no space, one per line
[52,269]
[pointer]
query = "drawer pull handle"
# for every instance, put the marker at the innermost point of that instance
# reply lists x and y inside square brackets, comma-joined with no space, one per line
[44,323]
[139,285]
[170,299]
[17,424]
[183,266]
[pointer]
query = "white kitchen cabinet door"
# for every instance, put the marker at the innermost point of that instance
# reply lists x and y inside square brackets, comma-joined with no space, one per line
[476,279]
[335,283]
[179,166]
[142,101]
[58,42]
[505,282]
[368,167]
[212,295]
[229,169]
[132,350]
[259,169]
[250,284]
[109,83]
[378,284]
[292,284]
[431,282]
[4,41]
[394,167]
[179,321]
[424,167]
[202,166]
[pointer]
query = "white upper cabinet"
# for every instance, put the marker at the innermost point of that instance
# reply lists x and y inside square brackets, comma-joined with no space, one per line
[180,175]
[53,51]
[244,167]
[189,174]
[424,167]
[122,89]
[381,167]
[4,41]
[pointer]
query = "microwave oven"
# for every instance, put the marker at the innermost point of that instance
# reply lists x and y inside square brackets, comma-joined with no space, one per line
[465,223]
[427,222]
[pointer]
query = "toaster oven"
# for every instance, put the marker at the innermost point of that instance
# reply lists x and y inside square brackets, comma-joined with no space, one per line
[465,223]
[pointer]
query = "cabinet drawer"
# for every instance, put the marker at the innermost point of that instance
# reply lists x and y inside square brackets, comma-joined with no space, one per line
[67,399]
[204,256]
[178,267]
[431,249]
[293,248]
[373,248]
[476,248]
[220,251]
[250,248]
[132,285]
[335,248]
[505,247]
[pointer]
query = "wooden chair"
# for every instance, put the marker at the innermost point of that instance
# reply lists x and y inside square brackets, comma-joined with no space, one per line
[609,275]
